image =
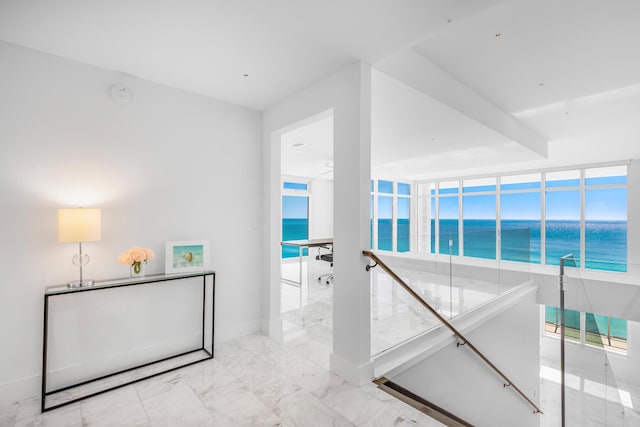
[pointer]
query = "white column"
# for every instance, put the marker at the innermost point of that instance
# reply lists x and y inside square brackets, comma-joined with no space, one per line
[351,357]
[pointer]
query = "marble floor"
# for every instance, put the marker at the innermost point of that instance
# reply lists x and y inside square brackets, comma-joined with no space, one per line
[592,399]
[252,381]
[256,381]
[396,316]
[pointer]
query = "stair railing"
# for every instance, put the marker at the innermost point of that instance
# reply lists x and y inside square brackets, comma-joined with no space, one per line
[458,334]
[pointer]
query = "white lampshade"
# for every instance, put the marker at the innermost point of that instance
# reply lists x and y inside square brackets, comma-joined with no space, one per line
[79,225]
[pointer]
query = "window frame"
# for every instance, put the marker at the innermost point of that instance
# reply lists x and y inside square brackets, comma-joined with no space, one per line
[583,342]
[375,194]
[424,197]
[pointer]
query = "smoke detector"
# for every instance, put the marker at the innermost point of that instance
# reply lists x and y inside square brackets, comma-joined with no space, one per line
[121,94]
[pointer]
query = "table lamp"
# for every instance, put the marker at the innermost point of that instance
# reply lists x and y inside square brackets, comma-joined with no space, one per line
[79,225]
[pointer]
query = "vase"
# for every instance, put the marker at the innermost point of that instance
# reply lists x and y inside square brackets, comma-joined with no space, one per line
[137,269]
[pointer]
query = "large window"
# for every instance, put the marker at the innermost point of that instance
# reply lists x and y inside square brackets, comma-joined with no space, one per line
[552,322]
[535,217]
[390,223]
[479,213]
[588,328]
[295,216]
[532,217]
[562,230]
[385,223]
[606,218]
[520,218]
[448,214]
[403,220]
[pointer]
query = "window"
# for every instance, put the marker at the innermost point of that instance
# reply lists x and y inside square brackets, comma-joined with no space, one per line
[562,230]
[385,223]
[295,216]
[448,217]
[520,218]
[606,331]
[535,217]
[390,222]
[588,328]
[479,213]
[294,186]
[552,323]
[403,224]
[606,218]
[385,187]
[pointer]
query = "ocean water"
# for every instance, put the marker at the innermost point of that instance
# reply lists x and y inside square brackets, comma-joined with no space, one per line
[605,241]
[294,229]
[594,322]
[385,235]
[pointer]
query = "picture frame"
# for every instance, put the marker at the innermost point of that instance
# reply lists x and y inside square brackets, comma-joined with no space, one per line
[186,256]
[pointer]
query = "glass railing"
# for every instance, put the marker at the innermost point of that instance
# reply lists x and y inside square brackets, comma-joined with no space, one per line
[406,309]
[452,285]
[589,371]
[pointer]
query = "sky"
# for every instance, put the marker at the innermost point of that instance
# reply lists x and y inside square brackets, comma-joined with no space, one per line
[608,204]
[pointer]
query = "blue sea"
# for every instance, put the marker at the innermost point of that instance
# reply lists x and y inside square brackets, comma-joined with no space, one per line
[605,241]
[294,229]
[594,322]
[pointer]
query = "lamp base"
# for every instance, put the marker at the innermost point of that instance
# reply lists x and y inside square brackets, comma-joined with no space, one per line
[80,284]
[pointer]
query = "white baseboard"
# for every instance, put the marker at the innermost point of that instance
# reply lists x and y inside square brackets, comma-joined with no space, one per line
[20,389]
[358,375]
[232,331]
[273,328]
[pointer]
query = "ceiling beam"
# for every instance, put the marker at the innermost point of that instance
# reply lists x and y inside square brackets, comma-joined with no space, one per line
[415,70]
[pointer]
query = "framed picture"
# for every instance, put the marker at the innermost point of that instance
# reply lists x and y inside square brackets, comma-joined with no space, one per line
[187,256]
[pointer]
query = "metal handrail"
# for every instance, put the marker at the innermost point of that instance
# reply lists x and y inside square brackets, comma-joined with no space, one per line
[465,341]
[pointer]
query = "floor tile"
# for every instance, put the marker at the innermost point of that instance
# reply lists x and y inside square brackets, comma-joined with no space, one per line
[117,407]
[177,406]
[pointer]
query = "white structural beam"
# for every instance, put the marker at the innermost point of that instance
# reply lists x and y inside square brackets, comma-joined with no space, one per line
[415,70]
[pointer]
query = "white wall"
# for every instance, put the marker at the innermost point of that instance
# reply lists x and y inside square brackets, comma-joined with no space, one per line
[458,381]
[321,209]
[346,95]
[168,166]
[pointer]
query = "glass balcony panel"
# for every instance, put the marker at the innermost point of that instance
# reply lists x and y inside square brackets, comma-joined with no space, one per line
[594,343]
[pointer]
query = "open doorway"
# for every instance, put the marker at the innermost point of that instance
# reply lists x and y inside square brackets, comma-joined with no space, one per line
[306,290]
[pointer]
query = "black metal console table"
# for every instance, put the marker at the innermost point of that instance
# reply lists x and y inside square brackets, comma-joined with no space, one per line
[116,378]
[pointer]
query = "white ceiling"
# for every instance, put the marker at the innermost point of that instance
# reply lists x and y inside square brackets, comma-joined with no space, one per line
[568,71]
[206,46]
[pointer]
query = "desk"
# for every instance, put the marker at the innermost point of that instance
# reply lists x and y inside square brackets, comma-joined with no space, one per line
[300,244]
[122,331]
